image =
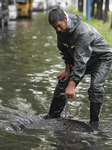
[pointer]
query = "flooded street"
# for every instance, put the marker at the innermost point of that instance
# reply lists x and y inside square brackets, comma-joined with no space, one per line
[29,63]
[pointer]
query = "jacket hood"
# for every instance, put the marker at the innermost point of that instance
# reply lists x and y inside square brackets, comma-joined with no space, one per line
[76,20]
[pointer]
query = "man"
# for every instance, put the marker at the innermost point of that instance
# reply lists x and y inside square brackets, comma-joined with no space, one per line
[84,51]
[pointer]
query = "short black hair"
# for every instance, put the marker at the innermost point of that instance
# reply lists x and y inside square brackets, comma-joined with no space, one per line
[55,15]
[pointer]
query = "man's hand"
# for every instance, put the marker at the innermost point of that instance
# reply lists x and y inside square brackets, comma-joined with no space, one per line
[63,76]
[70,90]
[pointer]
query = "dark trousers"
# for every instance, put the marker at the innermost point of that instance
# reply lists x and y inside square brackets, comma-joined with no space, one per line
[99,72]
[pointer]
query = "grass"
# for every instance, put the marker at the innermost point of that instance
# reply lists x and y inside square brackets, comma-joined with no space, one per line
[104,29]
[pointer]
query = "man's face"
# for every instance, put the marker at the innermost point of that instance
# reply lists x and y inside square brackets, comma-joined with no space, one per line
[60,26]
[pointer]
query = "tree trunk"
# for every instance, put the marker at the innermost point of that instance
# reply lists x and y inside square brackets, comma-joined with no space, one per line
[99,14]
[105,17]
[111,22]
[80,5]
[93,8]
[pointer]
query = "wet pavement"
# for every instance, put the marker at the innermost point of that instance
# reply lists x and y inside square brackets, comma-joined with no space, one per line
[29,63]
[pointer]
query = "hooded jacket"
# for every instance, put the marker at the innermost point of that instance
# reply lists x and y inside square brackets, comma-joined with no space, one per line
[82,46]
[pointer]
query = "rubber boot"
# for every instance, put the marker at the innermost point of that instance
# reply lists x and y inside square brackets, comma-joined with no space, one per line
[57,104]
[95,109]
[58,101]
[56,108]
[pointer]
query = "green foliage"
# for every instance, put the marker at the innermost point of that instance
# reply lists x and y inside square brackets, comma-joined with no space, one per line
[104,29]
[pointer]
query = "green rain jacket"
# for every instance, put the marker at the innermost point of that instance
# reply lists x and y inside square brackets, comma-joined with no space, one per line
[82,46]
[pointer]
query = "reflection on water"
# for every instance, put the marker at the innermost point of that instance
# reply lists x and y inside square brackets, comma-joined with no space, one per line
[29,63]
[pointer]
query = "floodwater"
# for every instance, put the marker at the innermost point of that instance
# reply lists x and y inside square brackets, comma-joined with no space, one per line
[29,63]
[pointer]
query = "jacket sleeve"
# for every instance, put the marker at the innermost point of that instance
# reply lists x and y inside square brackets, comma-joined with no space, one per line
[82,53]
[63,51]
